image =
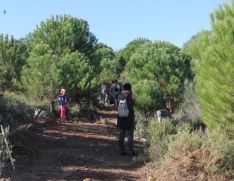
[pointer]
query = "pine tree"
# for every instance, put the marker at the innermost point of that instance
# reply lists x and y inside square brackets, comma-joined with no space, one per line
[160,69]
[214,69]
[62,55]
[13,56]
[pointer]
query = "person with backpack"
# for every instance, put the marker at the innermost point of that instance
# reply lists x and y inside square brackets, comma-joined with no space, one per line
[63,103]
[115,90]
[126,119]
[112,101]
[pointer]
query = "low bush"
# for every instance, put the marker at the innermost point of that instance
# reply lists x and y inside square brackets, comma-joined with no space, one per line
[17,108]
[195,156]
[140,128]
[158,138]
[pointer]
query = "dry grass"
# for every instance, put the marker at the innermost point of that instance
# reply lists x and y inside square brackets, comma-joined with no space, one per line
[187,164]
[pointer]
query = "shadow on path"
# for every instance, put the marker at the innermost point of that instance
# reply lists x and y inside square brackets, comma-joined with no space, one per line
[76,152]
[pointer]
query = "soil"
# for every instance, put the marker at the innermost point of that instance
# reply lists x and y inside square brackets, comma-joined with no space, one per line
[69,151]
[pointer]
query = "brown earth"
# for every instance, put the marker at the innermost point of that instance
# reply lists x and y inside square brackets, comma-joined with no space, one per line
[68,151]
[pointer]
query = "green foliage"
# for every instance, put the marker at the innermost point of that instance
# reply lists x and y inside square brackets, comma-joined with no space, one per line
[190,105]
[216,141]
[214,62]
[108,72]
[158,134]
[195,45]
[77,75]
[184,136]
[148,94]
[159,68]
[107,67]
[64,34]
[140,131]
[184,150]
[131,47]
[16,109]
[219,141]
[62,55]
[190,155]
[40,76]
[124,55]
[13,55]
[158,131]
[141,127]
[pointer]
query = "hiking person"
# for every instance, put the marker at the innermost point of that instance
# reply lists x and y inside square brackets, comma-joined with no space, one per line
[111,96]
[92,116]
[103,94]
[63,103]
[126,119]
[166,110]
[115,91]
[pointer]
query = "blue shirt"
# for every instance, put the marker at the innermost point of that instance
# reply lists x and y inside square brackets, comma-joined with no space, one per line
[63,99]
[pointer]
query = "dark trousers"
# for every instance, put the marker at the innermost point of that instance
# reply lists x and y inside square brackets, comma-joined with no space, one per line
[116,101]
[129,134]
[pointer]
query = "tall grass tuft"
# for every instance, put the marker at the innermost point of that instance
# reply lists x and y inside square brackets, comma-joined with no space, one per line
[4,152]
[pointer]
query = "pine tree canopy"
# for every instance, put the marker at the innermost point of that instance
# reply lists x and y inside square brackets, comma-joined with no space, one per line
[159,67]
[214,68]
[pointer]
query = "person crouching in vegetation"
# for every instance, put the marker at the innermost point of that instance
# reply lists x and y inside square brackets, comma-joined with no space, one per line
[63,102]
[126,119]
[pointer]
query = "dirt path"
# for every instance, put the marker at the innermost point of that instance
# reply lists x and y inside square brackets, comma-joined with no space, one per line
[86,151]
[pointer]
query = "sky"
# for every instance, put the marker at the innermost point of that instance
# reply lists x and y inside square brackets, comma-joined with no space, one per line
[115,22]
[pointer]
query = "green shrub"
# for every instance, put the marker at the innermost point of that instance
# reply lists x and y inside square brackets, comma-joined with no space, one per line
[195,155]
[148,95]
[219,141]
[158,138]
[195,139]
[17,108]
[190,104]
[140,128]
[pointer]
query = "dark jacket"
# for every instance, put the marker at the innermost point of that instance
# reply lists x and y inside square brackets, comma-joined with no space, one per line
[128,122]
